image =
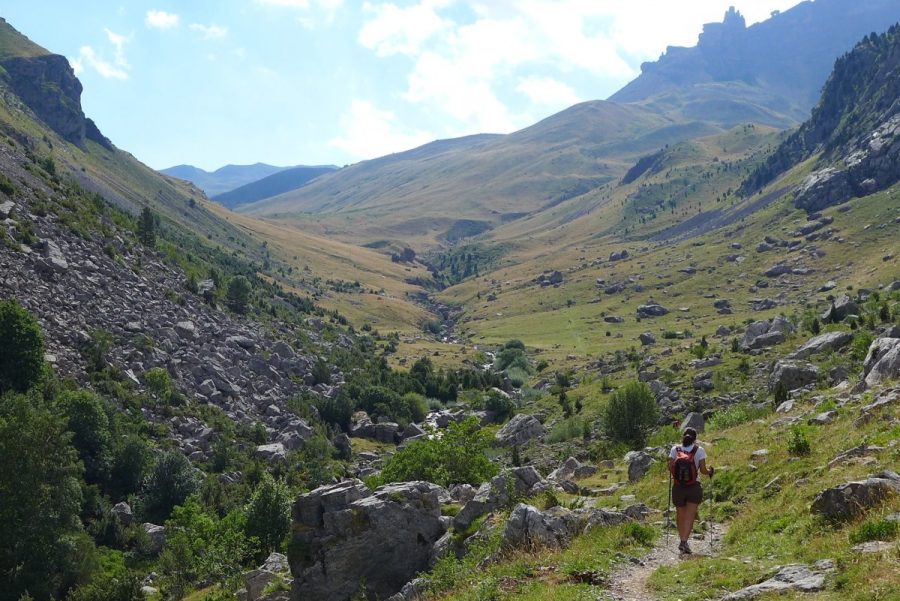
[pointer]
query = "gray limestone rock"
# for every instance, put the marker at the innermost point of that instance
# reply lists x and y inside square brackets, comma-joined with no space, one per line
[350,535]
[793,577]
[793,374]
[639,463]
[852,498]
[829,341]
[882,362]
[520,430]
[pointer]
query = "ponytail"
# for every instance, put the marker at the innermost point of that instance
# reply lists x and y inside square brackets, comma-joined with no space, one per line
[690,435]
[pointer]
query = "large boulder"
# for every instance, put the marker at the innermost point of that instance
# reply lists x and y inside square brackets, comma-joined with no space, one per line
[694,420]
[763,334]
[651,309]
[840,309]
[156,537]
[882,362]
[520,430]
[793,577]
[792,375]
[830,341]
[852,498]
[638,464]
[499,492]
[345,537]
[555,528]
[572,469]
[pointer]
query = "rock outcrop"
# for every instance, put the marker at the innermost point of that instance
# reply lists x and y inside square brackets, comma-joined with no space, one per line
[346,537]
[796,577]
[830,341]
[520,430]
[882,362]
[555,528]
[513,483]
[852,498]
[792,374]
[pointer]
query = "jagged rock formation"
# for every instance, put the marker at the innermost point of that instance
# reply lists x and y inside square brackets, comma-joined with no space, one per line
[347,538]
[48,86]
[771,72]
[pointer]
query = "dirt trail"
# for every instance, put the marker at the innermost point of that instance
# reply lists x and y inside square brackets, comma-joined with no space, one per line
[629,582]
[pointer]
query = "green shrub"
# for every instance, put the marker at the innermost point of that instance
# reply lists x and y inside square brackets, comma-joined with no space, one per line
[884,530]
[91,433]
[736,415]
[631,414]
[6,185]
[268,514]
[499,403]
[321,372]
[860,345]
[457,457]
[566,429]
[665,437]
[159,382]
[171,482]
[21,348]
[237,296]
[512,357]
[798,445]
[639,533]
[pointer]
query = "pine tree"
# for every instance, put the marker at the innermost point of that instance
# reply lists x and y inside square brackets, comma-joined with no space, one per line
[146,229]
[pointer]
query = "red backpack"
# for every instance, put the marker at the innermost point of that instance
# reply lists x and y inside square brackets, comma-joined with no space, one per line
[684,470]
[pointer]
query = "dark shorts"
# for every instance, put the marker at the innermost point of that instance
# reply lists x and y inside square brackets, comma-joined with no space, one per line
[687,494]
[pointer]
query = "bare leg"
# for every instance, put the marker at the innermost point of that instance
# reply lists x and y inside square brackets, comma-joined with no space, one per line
[690,511]
[684,529]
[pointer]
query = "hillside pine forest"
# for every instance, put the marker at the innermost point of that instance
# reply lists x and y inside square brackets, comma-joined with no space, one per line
[456,372]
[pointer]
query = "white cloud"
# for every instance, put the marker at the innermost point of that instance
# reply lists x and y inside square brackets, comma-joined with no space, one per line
[325,10]
[470,57]
[160,19]
[367,131]
[395,30]
[211,31]
[548,91]
[88,58]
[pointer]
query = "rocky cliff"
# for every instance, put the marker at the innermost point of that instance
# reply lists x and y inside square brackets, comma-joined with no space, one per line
[48,86]
[855,128]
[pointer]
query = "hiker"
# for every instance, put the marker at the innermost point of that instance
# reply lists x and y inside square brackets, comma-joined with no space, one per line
[685,461]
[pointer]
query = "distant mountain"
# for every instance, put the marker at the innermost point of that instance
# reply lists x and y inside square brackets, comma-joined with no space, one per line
[855,129]
[479,182]
[771,72]
[272,185]
[223,179]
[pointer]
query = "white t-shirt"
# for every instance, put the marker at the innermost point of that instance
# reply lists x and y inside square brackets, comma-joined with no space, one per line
[699,456]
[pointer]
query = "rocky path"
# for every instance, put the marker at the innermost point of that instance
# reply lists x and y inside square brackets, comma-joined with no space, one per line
[629,582]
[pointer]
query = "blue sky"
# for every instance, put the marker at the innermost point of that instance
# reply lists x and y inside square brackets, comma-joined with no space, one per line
[212,82]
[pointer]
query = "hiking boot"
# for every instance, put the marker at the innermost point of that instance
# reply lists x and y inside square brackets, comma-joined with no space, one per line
[684,548]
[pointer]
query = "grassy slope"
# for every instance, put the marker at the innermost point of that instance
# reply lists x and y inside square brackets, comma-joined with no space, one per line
[767,528]
[383,304]
[13,43]
[541,317]
[486,179]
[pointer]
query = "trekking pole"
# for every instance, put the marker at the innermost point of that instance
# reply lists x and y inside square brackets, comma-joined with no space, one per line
[669,512]
[712,503]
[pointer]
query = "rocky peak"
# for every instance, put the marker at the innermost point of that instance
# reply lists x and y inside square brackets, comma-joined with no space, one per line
[48,86]
[717,33]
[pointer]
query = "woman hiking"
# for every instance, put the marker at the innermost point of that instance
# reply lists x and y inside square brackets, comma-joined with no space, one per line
[685,461]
